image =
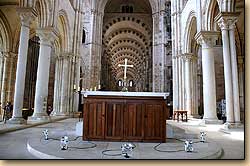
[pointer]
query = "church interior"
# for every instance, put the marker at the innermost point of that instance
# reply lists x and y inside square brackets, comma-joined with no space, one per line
[134,75]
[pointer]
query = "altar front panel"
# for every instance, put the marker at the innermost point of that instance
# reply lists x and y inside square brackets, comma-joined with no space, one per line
[127,118]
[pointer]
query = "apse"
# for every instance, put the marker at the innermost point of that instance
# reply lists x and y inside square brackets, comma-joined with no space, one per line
[127,34]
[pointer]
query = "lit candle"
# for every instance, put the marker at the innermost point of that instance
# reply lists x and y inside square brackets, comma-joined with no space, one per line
[99,86]
[74,87]
[95,88]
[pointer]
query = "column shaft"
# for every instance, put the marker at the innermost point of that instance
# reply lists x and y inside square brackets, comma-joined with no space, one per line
[209,88]
[175,84]
[228,77]
[188,77]
[46,38]
[64,90]
[234,76]
[20,75]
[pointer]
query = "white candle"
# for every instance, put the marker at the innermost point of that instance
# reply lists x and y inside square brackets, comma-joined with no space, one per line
[95,88]
[99,86]
[82,89]
[79,88]
[74,87]
[90,89]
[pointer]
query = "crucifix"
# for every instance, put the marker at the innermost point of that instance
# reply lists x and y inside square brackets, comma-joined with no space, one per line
[125,67]
[125,89]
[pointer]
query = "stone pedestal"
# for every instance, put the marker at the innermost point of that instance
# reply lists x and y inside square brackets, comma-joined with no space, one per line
[79,128]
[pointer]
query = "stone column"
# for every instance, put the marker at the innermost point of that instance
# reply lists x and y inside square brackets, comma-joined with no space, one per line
[179,69]
[226,22]
[194,73]
[4,88]
[64,104]
[11,70]
[1,71]
[56,100]
[158,53]
[207,40]
[26,18]
[175,84]
[241,81]
[46,38]
[234,74]
[188,82]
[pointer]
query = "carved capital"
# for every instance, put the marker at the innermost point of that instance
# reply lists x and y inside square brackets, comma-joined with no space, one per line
[27,15]
[226,21]
[188,57]
[207,38]
[46,35]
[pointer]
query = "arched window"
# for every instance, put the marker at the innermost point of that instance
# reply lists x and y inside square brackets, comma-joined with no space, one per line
[120,83]
[131,83]
[127,9]
[83,36]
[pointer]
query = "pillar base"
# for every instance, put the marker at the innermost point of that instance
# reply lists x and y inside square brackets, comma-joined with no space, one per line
[195,116]
[211,121]
[43,117]
[16,120]
[60,114]
[231,125]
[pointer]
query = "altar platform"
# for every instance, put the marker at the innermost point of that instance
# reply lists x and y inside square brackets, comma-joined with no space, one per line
[79,149]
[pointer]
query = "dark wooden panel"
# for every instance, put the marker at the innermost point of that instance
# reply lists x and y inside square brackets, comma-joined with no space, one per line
[125,119]
[94,120]
[114,120]
[154,120]
[133,121]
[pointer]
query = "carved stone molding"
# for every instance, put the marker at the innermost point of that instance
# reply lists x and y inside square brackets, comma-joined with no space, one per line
[226,21]
[27,15]
[188,57]
[46,35]
[207,38]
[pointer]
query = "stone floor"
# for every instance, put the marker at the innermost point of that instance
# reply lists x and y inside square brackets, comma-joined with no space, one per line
[29,143]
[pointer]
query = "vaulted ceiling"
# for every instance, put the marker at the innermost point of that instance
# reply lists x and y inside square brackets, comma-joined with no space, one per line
[127,35]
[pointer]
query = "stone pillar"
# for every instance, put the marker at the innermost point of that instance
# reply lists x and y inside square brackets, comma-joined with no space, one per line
[64,104]
[188,82]
[241,81]
[46,38]
[180,82]
[26,18]
[158,53]
[11,70]
[207,40]
[57,87]
[175,83]
[194,83]
[226,22]
[234,74]
[1,77]
[4,88]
